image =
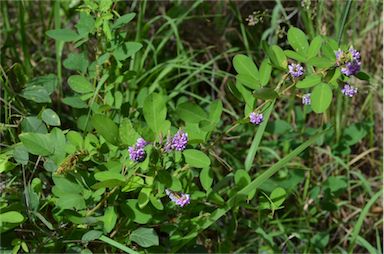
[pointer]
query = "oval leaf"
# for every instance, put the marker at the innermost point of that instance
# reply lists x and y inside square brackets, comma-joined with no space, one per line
[145,237]
[298,40]
[189,112]
[265,93]
[309,81]
[196,158]
[321,98]
[50,117]
[155,112]
[37,143]
[279,56]
[79,84]
[106,128]
[245,65]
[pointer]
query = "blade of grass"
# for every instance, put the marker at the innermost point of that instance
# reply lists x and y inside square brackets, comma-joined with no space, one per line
[59,45]
[243,193]
[256,140]
[360,220]
[117,245]
[344,16]
[23,36]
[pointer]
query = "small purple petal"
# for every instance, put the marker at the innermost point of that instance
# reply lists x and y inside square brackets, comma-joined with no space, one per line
[180,200]
[349,90]
[179,141]
[306,100]
[141,143]
[256,118]
[296,70]
[136,154]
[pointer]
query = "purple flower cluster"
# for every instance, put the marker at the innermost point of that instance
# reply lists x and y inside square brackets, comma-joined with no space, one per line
[256,118]
[178,142]
[180,200]
[306,100]
[349,61]
[296,70]
[349,90]
[136,152]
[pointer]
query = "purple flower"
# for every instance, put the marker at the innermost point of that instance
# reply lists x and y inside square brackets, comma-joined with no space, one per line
[296,70]
[349,90]
[179,141]
[141,143]
[180,200]
[354,54]
[351,68]
[256,118]
[136,154]
[339,55]
[349,61]
[306,100]
[168,144]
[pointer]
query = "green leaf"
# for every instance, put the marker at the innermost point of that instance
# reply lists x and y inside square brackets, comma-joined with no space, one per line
[50,117]
[126,50]
[156,203]
[20,154]
[279,56]
[76,62]
[265,72]
[75,139]
[127,133]
[189,112]
[293,55]
[155,112]
[244,65]
[321,98]
[143,198]
[125,19]
[298,40]
[80,84]
[71,200]
[321,62]
[362,76]
[86,24]
[117,245]
[63,35]
[196,158]
[110,218]
[320,240]
[74,102]
[11,217]
[309,81]
[314,47]
[33,124]
[49,82]
[206,178]
[106,128]
[133,183]
[278,196]
[242,178]
[37,143]
[108,175]
[247,80]
[37,94]
[145,237]
[91,235]
[63,186]
[215,110]
[265,93]
[105,5]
